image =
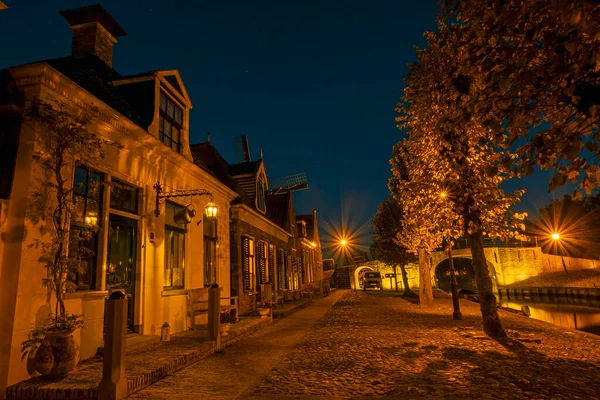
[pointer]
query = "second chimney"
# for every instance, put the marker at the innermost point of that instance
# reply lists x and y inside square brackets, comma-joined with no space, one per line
[95,32]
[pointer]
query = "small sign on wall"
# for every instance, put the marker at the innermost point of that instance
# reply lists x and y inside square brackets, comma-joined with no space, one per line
[151,237]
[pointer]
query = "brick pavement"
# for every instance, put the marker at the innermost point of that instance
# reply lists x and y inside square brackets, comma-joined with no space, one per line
[377,345]
[229,374]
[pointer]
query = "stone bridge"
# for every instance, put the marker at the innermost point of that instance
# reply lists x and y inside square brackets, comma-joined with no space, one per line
[506,265]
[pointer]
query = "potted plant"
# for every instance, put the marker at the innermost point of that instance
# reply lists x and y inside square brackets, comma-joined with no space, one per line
[227,318]
[264,307]
[62,141]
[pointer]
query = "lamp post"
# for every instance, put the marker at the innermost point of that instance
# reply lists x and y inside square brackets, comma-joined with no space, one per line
[456,314]
[556,237]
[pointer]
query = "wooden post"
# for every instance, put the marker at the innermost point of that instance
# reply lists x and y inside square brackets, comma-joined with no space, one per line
[114,382]
[214,314]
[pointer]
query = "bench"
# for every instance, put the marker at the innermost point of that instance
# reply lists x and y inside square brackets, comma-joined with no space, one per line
[268,294]
[197,300]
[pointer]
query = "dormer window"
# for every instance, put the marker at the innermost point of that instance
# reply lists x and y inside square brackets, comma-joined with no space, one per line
[260,194]
[170,123]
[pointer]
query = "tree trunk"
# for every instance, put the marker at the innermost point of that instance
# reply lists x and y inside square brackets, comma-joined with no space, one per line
[407,290]
[487,301]
[425,290]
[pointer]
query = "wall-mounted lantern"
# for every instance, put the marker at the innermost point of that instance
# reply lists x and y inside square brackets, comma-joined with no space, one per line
[186,215]
[210,210]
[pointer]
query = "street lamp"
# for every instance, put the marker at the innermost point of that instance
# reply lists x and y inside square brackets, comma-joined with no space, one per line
[344,242]
[456,314]
[556,237]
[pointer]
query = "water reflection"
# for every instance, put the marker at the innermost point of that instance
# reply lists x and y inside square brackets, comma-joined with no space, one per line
[585,319]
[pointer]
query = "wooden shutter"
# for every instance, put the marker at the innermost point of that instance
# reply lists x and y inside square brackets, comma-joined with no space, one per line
[246,263]
[262,262]
[280,269]
[272,266]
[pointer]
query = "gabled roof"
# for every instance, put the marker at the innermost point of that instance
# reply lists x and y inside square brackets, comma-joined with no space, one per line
[208,158]
[310,224]
[171,79]
[245,168]
[278,208]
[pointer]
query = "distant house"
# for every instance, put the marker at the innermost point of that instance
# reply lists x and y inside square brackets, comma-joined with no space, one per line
[155,260]
[309,243]
[266,246]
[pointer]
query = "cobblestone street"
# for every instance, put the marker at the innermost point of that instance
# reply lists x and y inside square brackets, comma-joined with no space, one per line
[377,345]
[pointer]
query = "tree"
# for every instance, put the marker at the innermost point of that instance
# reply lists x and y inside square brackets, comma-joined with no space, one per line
[449,153]
[387,225]
[427,220]
[62,141]
[529,70]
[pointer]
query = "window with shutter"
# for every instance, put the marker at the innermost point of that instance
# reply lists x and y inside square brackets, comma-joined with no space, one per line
[281,269]
[272,267]
[248,264]
[263,275]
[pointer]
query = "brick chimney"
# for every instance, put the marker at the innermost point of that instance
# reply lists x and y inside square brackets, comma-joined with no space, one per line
[94,31]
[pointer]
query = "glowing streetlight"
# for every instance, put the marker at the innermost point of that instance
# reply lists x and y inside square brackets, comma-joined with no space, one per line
[344,242]
[556,237]
[443,195]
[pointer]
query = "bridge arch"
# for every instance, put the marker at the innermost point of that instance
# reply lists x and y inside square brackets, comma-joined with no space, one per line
[358,275]
[439,257]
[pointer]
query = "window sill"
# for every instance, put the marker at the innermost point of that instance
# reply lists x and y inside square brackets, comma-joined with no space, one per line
[87,294]
[173,292]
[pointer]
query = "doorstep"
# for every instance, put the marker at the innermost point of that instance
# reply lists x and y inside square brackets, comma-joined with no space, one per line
[144,365]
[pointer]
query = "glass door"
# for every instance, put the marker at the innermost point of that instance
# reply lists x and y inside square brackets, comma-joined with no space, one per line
[120,273]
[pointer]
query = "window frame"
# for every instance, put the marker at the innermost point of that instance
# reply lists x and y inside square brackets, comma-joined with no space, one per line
[180,231]
[163,116]
[82,226]
[251,273]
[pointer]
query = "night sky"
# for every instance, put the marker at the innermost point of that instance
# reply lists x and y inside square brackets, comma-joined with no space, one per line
[312,83]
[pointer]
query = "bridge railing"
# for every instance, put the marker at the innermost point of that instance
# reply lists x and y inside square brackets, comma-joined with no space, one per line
[463,243]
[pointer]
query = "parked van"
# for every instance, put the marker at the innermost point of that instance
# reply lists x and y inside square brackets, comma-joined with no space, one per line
[372,279]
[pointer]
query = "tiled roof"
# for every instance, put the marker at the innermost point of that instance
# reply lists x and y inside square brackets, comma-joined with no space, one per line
[95,76]
[208,158]
[310,224]
[278,208]
[244,168]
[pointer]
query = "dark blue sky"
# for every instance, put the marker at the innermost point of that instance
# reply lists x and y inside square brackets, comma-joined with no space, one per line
[312,83]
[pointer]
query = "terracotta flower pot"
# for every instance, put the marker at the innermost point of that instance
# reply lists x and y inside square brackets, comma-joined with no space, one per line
[57,355]
[225,327]
[264,311]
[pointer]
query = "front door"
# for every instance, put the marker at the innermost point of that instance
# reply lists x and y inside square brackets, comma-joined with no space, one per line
[120,273]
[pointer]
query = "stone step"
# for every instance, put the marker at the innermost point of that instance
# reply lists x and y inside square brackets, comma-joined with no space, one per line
[135,341]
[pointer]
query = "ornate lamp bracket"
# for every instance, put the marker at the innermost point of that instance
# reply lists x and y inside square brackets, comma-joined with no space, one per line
[161,195]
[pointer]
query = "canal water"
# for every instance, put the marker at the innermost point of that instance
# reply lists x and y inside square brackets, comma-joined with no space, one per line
[586,319]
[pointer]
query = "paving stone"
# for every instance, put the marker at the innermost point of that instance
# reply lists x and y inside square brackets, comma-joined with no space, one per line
[375,345]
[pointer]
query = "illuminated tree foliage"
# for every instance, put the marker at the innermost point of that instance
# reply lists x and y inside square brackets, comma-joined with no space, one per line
[426,216]
[387,225]
[526,64]
[450,153]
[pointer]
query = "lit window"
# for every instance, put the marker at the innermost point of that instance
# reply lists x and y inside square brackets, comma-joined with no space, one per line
[85,219]
[170,123]
[174,248]
[248,264]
